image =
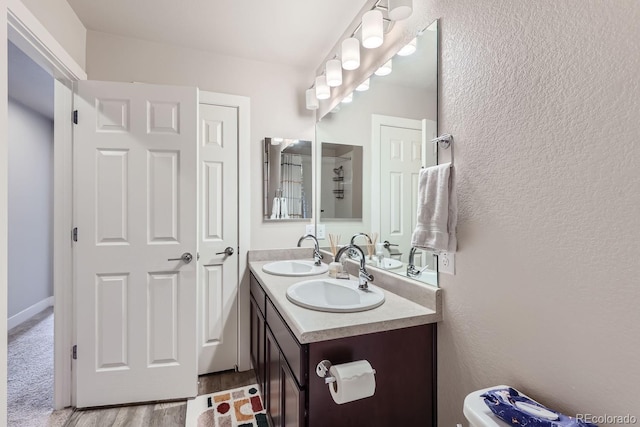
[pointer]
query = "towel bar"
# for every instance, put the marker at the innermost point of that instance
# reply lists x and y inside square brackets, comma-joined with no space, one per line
[444,141]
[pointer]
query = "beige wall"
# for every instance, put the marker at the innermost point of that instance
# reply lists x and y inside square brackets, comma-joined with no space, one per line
[276,94]
[63,24]
[542,99]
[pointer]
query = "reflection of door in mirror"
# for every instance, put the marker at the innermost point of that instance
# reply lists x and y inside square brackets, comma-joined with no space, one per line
[287,179]
[404,147]
[341,181]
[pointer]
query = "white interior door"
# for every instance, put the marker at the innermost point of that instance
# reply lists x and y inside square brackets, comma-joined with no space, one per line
[135,179]
[403,151]
[218,231]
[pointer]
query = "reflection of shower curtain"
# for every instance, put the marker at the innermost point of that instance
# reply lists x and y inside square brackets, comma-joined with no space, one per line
[291,184]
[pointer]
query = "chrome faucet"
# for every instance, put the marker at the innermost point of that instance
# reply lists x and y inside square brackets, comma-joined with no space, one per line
[412,271]
[352,252]
[317,256]
[363,276]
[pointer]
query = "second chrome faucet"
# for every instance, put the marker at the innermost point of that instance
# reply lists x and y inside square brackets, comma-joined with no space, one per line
[363,275]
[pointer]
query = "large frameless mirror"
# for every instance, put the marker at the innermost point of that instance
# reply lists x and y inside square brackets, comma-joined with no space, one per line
[287,179]
[393,122]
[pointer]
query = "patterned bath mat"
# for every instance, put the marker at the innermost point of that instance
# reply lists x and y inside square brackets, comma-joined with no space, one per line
[240,407]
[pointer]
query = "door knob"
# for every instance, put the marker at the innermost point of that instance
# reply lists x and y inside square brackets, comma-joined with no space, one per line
[186,258]
[227,252]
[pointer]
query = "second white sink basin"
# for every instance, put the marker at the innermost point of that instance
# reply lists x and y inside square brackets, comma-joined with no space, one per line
[294,267]
[334,295]
[387,263]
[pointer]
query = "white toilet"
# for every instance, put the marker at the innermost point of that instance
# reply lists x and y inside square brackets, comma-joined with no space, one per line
[478,413]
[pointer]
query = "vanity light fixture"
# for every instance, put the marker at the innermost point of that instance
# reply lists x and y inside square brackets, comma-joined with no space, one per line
[400,9]
[312,101]
[348,99]
[409,48]
[363,86]
[333,71]
[385,69]
[322,89]
[372,29]
[351,53]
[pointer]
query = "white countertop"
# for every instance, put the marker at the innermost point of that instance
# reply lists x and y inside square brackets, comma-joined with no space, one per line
[311,326]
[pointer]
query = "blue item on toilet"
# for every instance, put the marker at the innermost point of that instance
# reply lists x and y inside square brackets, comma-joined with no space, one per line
[518,410]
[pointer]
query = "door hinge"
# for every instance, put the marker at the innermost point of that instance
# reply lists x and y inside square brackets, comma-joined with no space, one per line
[74,352]
[75,117]
[74,234]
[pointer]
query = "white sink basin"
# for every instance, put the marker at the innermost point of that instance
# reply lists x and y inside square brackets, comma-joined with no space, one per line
[334,295]
[387,263]
[294,267]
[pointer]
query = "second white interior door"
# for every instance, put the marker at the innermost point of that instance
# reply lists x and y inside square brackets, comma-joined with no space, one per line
[217,233]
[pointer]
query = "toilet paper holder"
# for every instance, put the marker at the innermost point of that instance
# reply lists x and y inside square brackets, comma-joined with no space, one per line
[322,369]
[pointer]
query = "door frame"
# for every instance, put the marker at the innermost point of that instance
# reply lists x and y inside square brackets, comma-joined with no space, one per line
[242,104]
[27,33]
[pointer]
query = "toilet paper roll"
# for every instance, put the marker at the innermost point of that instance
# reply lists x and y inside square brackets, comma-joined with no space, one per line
[354,380]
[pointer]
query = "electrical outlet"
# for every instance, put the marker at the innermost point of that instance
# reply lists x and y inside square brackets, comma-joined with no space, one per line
[447,263]
[318,232]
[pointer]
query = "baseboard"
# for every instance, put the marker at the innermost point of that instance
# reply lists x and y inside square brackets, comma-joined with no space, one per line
[28,313]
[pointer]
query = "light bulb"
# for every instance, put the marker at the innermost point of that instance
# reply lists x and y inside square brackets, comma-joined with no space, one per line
[322,89]
[333,71]
[312,101]
[363,86]
[385,69]
[409,48]
[348,99]
[351,53]
[372,29]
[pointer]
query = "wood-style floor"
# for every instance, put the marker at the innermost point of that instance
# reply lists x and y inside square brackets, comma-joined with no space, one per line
[160,414]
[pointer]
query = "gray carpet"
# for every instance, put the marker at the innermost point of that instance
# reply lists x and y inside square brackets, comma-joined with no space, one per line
[30,374]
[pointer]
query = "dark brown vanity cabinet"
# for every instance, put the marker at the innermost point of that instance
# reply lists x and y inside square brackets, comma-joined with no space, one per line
[294,396]
[273,350]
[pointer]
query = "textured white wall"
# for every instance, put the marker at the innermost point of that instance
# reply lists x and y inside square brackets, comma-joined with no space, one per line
[542,99]
[276,102]
[63,24]
[30,207]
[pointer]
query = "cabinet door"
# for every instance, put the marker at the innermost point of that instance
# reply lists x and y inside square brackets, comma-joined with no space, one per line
[257,344]
[293,414]
[273,396]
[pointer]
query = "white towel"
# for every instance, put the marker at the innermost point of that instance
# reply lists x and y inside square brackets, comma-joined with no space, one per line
[437,210]
[284,211]
[275,208]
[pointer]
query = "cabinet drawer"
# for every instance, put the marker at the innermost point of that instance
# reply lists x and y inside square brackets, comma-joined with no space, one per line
[293,352]
[258,293]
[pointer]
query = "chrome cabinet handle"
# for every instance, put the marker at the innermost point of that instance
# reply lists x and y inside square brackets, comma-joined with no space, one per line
[186,258]
[227,252]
